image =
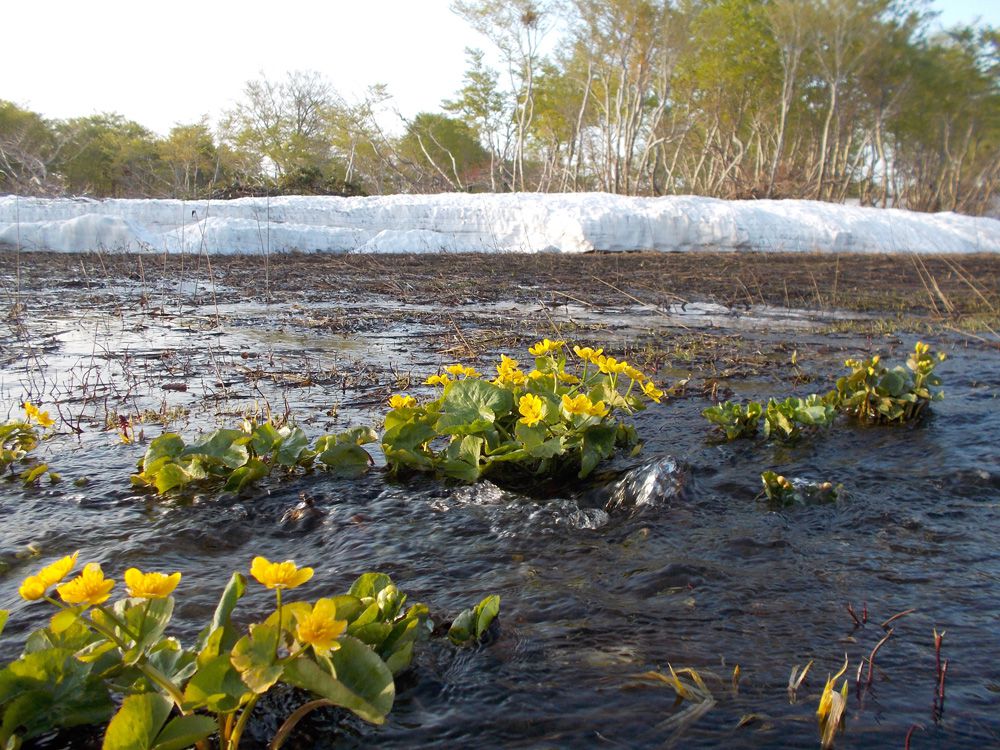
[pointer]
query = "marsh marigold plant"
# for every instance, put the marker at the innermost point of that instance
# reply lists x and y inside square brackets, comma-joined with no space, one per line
[98,661]
[563,414]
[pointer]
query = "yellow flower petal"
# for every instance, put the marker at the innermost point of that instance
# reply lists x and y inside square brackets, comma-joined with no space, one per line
[90,587]
[545,346]
[402,401]
[285,575]
[319,628]
[530,408]
[150,585]
[32,588]
[55,572]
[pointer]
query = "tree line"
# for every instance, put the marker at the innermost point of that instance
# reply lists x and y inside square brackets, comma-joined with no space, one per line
[825,99]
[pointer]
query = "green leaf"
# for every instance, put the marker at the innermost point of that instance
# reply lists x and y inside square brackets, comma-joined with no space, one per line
[4,614]
[169,445]
[263,439]
[170,476]
[216,685]
[148,619]
[368,585]
[462,458]
[486,612]
[598,444]
[172,660]
[463,627]
[404,444]
[223,446]
[185,731]
[293,443]
[137,722]
[50,688]
[471,406]
[221,619]
[255,658]
[252,472]
[64,618]
[361,682]
[358,436]
[345,459]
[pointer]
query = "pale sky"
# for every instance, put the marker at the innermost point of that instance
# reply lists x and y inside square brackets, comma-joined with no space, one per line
[167,63]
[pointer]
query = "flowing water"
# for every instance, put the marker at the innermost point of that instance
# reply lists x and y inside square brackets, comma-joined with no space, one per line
[662,559]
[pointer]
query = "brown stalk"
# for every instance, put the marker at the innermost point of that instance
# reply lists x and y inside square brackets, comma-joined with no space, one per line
[871,657]
[850,611]
[897,616]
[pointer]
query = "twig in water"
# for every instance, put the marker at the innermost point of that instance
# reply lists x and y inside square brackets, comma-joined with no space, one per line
[871,657]
[897,616]
[909,734]
[850,611]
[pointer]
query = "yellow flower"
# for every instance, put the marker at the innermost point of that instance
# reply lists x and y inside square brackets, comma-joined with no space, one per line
[150,585]
[536,375]
[588,354]
[610,365]
[90,587]
[402,401]
[286,575]
[32,588]
[462,371]
[652,391]
[441,380]
[582,405]
[508,374]
[921,348]
[633,373]
[530,407]
[568,378]
[52,574]
[34,414]
[545,346]
[319,628]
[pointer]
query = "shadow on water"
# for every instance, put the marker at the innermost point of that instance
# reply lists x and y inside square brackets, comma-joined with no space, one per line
[665,559]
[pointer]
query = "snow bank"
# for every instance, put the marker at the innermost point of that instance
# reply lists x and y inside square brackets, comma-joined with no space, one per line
[517,222]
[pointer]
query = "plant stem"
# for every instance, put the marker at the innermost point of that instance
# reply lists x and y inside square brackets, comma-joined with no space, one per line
[234,739]
[290,723]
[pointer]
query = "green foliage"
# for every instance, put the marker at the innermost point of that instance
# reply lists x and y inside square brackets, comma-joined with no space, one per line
[786,420]
[345,650]
[736,421]
[874,394]
[18,438]
[239,458]
[782,491]
[469,627]
[542,423]
[789,418]
[446,147]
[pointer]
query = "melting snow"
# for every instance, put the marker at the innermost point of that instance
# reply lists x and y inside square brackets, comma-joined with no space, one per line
[459,222]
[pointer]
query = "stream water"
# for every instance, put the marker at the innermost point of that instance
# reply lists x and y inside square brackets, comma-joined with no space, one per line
[663,559]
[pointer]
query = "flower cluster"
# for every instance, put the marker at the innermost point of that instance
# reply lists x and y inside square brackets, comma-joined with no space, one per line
[542,420]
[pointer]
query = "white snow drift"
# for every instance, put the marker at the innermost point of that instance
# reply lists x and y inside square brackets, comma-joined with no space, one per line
[518,222]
